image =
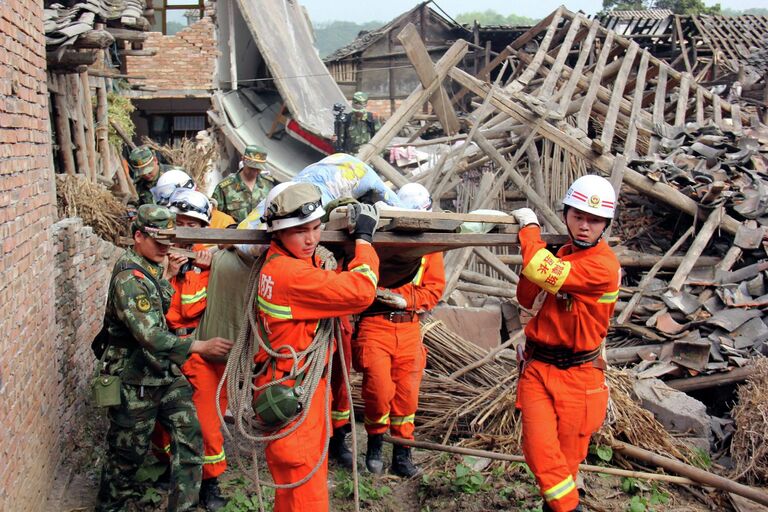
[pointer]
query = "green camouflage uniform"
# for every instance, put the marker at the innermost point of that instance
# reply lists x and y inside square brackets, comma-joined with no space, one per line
[233,197]
[147,357]
[142,161]
[358,131]
[144,187]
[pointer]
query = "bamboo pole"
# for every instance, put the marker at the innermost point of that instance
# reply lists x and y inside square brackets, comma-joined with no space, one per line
[102,127]
[63,133]
[698,475]
[90,135]
[424,445]
[78,123]
[697,247]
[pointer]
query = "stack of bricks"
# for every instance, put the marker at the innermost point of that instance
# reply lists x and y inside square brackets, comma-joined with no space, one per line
[29,446]
[84,264]
[184,61]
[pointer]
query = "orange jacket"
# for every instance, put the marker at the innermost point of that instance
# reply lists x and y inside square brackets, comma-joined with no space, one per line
[582,287]
[426,289]
[191,297]
[294,294]
[220,220]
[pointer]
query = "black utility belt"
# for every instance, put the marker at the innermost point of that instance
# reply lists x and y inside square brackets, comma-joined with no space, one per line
[396,317]
[562,358]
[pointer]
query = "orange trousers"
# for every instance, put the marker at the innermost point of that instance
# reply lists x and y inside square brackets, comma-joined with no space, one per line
[561,410]
[204,376]
[392,359]
[291,458]
[340,398]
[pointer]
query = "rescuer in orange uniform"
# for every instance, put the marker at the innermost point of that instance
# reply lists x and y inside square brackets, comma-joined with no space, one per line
[561,391]
[294,296]
[190,281]
[389,352]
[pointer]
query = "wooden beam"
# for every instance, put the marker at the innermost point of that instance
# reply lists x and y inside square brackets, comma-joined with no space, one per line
[127,34]
[99,39]
[149,52]
[422,63]
[90,135]
[609,126]
[697,247]
[413,103]
[63,133]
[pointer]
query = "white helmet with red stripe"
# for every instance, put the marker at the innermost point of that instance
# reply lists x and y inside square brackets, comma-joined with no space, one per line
[592,194]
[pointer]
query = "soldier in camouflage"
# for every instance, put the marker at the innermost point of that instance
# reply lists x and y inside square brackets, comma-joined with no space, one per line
[360,125]
[147,358]
[146,170]
[239,193]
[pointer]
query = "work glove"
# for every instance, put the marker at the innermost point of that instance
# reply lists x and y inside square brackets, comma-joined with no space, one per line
[525,216]
[362,220]
[336,203]
[391,299]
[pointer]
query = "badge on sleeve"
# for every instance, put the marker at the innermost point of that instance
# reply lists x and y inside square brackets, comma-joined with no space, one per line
[142,303]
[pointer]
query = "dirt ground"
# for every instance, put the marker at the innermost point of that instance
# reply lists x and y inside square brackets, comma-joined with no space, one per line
[450,483]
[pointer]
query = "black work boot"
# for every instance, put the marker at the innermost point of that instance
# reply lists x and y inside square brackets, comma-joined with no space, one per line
[210,495]
[373,460]
[402,465]
[546,508]
[338,449]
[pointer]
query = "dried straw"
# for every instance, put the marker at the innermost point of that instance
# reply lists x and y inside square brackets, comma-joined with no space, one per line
[77,196]
[749,448]
[479,406]
[189,155]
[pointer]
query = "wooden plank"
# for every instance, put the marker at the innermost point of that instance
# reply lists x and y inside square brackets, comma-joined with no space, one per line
[717,111]
[493,261]
[594,84]
[699,107]
[736,117]
[609,126]
[661,96]
[575,76]
[554,73]
[681,41]
[630,145]
[697,247]
[530,71]
[422,63]
[682,99]
[387,170]
[604,163]
[127,34]
[63,134]
[90,135]
[413,103]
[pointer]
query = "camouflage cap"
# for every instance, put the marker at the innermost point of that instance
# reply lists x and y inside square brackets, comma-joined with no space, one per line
[254,156]
[141,160]
[360,97]
[150,218]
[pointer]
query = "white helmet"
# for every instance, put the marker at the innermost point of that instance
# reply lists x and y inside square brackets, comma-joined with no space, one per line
[415,196]
[169,181]
[592,194]
[292,204]
[191,203]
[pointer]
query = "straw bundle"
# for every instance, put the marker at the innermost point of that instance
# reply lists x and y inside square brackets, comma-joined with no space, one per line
[77,196]
[189,155]
[749,448]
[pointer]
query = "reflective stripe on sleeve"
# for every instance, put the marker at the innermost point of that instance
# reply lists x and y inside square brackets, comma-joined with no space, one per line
[402,420]
[340,415]
[609,297]
[367,272]
[384,420]
[547,271]
[213,459]
[191,299]
[420,274]
[275,311]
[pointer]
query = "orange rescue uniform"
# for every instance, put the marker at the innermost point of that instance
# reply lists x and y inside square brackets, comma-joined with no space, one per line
[294,294]
[391,355]
[562,408]
[187,307]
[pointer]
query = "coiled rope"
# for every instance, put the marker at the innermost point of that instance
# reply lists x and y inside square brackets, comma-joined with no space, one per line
[239,376]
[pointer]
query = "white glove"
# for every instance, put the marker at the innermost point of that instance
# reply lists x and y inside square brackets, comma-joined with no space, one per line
[525,216]
[391,299]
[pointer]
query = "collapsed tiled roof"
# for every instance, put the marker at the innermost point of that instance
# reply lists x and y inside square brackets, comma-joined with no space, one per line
[655,14]
[63,25]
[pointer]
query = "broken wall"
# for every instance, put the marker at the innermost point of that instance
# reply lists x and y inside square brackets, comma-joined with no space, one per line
[185,61]
[29,446]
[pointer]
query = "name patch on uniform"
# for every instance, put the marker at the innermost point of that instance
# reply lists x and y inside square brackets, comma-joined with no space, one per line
[142,303]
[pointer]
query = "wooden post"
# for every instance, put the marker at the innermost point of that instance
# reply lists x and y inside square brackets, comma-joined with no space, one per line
[102,127]
[78,123]
[413,102]
[90,135]
[63,133]
[232,46]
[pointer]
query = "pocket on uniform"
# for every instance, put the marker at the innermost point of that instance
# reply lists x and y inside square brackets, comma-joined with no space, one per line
[120,414]
[596,404]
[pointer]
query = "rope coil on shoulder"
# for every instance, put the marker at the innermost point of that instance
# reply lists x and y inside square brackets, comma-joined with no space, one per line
[307,369]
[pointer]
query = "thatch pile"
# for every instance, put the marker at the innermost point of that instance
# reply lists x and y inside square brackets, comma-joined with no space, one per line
[478,406]
[749,447]
[190,156]
[77,196]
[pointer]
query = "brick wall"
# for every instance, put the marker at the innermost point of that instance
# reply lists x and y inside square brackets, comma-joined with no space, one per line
[29,446]
[185,60]
[84,264]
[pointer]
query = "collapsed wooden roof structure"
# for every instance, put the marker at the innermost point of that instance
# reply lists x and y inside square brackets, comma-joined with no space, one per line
[609,107]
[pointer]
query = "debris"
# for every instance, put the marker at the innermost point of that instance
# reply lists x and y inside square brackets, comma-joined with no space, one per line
[748,448]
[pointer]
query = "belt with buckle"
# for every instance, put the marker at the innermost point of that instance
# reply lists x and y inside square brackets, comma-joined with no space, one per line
[397,317]
[563,358]
[184,331]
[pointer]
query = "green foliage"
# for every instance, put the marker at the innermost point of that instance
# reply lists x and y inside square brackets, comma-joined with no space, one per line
[368,491]
[241,496]
[602,452]
[468,481]
[644,499]
[700,458]
[676,6]
[332,35]
[491,17]
[119,109]
[151,496]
